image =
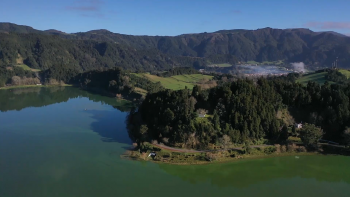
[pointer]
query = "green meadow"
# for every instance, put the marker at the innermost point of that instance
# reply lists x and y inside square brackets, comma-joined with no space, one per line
[345,72]
[177,82]
[317,77]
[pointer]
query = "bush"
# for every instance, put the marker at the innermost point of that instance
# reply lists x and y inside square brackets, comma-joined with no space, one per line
[301,149]
[310,135]
[210,156]
[283,148]
[154,142]
[270,149]
[291,147]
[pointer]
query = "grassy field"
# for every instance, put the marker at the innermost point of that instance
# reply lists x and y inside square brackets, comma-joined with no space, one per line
[25,67]
[140,91]
[223,65]
[252,62]
[177,82]
[279,62]
[317,77]
[220,65]
[345,72]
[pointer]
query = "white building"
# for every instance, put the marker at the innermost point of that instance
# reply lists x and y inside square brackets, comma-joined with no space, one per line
[298,125]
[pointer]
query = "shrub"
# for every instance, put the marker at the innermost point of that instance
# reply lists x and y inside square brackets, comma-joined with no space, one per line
[270,149]
[278,148]
[154,142]
[210,156]
[283,148]
[291,147]
[301,149]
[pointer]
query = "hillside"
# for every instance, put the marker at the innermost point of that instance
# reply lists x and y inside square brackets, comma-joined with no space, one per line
[102,48]
[41,51]
[267,44]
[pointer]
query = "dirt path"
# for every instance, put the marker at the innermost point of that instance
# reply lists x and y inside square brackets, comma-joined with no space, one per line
[181,150]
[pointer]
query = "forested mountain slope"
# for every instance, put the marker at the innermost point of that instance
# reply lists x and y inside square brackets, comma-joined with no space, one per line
[46,51]
[267,44]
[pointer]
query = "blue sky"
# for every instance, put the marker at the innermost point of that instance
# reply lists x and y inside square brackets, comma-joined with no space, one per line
[174,17]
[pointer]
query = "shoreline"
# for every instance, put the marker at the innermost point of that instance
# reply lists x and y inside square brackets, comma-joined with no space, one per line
[226,160]
[166,156]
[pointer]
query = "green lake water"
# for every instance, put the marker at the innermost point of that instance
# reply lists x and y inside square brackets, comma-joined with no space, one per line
[65,142]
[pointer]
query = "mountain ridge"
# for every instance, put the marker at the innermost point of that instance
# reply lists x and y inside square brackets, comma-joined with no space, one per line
[218,31]
[315,49]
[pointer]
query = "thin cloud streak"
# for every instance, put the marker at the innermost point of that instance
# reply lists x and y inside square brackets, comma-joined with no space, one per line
[82,8]
[328,25]
[86,6]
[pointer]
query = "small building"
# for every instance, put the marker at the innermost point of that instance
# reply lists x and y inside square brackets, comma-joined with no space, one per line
[298,125]
[201,115]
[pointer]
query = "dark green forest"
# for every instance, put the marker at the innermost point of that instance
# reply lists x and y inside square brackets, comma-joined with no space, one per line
[245,110]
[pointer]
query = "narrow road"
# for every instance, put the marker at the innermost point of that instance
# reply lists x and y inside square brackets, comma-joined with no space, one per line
[181,150]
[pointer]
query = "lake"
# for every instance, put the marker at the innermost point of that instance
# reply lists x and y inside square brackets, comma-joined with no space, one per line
[65,142]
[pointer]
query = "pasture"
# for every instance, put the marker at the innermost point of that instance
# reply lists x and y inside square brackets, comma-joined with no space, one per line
[316,77]
[220,65]
[345,72]
[177,82]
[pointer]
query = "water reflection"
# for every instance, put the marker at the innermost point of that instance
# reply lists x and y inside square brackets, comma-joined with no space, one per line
[110,126]
[18,99]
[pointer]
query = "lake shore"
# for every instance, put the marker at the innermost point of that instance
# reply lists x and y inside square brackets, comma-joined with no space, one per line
[192,157]
[208,157]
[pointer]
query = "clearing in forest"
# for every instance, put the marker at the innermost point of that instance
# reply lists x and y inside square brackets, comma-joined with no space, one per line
[177,82]
[25,67]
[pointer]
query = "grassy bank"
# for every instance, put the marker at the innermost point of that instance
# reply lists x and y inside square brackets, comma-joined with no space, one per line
[31,86]
[192,158]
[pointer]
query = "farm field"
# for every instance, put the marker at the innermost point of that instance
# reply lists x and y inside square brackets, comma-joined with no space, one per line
[223,65]
[177,82]
[279,62]
[345,72]
[220,65]
[317,77]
